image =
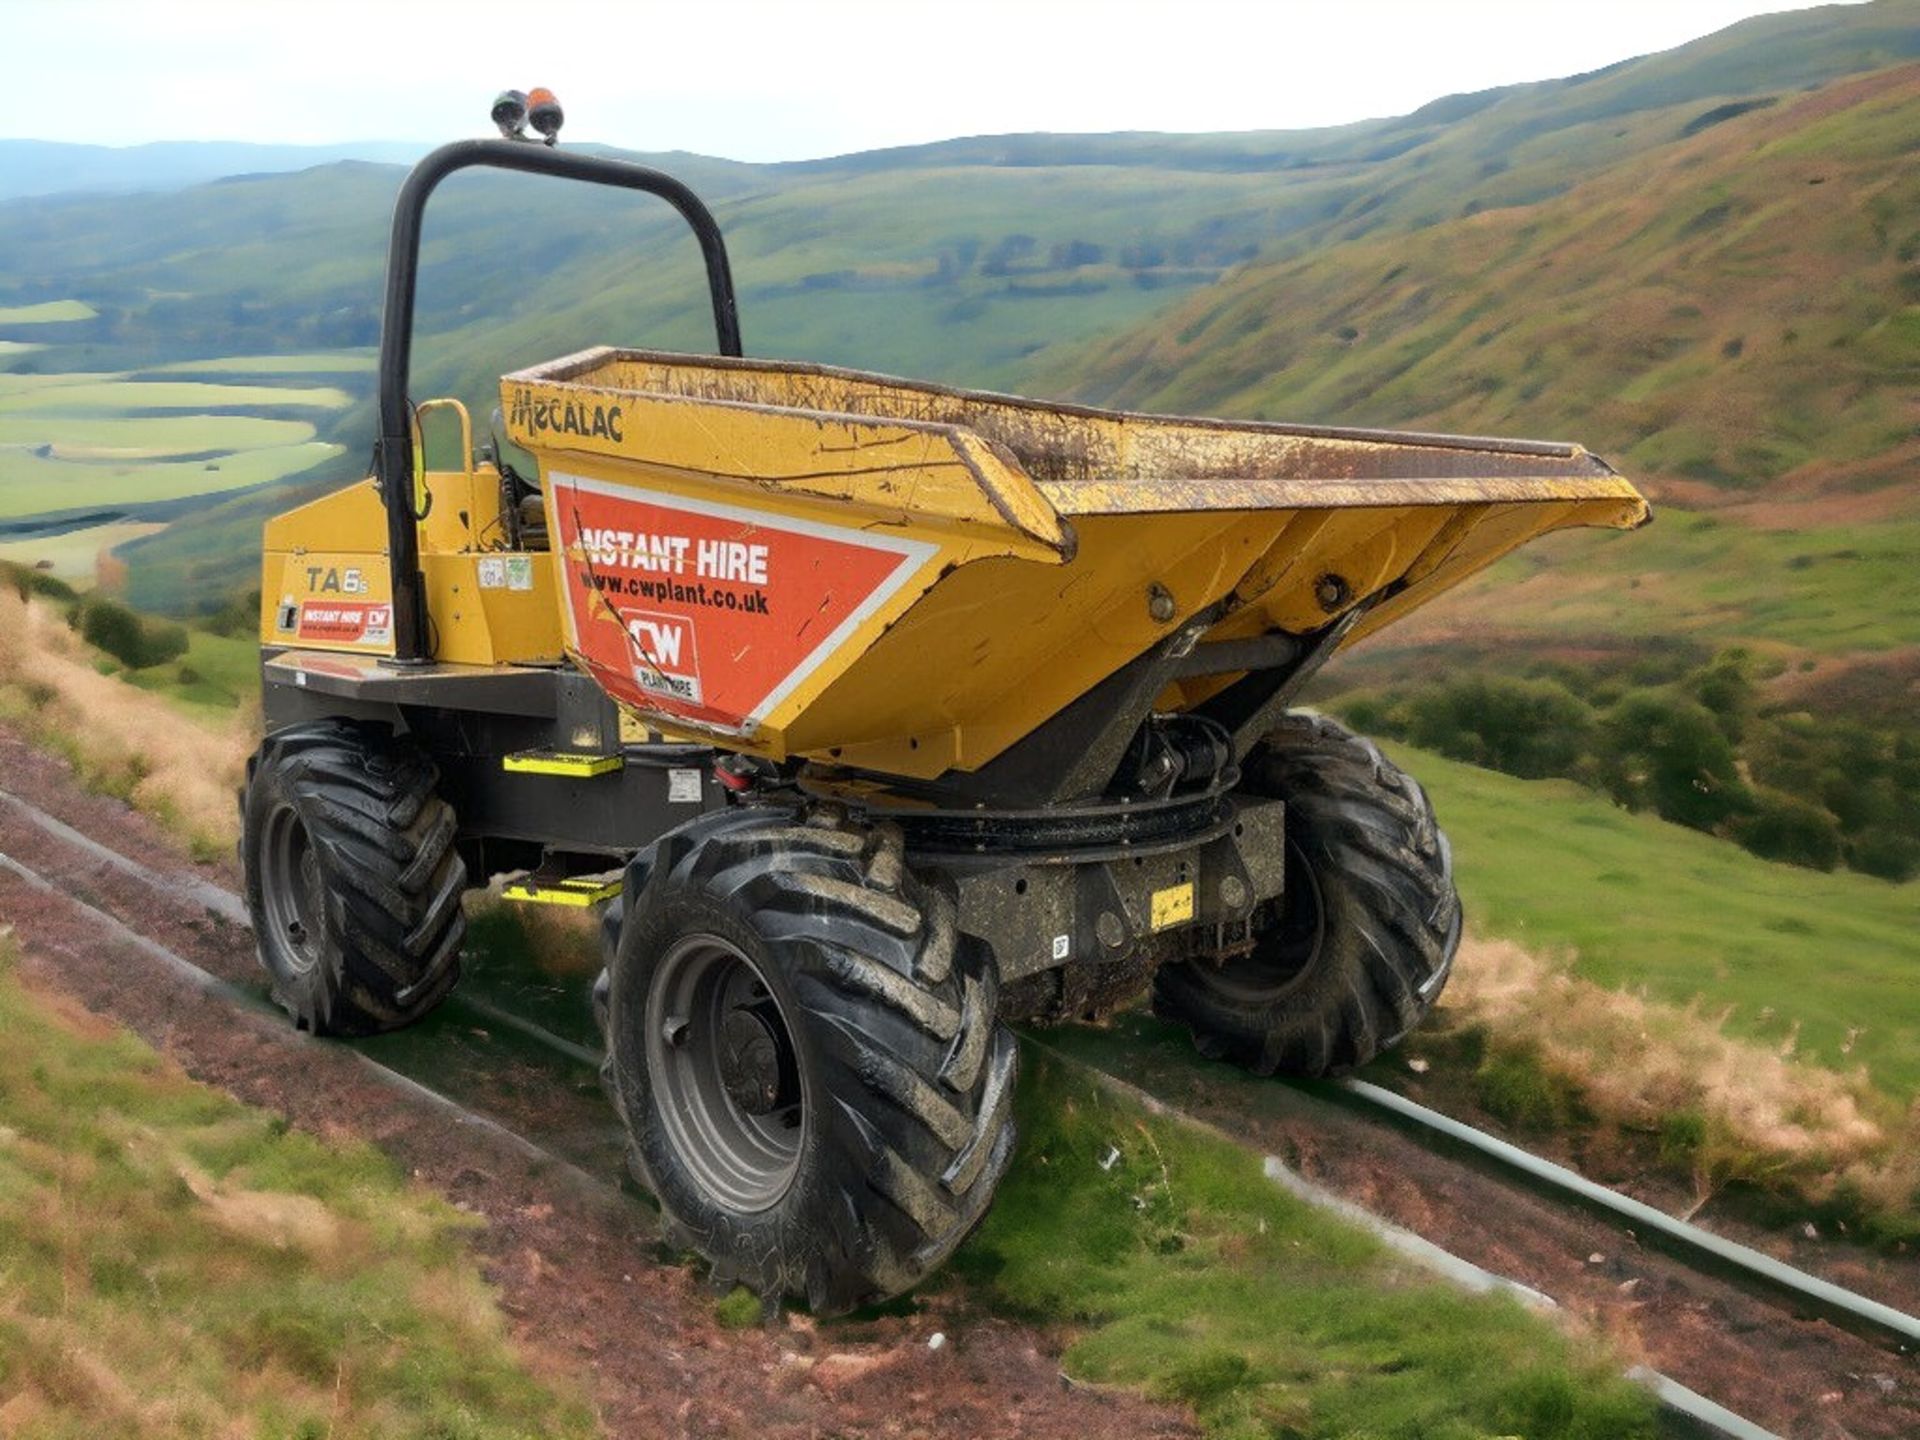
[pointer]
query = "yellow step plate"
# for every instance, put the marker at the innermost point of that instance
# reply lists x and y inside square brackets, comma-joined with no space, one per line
[578,892]
[561,762]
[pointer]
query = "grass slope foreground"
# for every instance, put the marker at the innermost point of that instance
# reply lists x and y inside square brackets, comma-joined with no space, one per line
[175,1263]
[1177,1265]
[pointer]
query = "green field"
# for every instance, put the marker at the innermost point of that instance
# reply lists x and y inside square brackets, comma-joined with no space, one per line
[156,435]
[70,556]
[14,384]
[88,439]
[49,312]
[17,347]
[330,362]
[89,395]
[31,484]
[1642,905]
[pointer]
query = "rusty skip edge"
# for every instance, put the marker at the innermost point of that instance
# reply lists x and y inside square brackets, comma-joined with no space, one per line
[1090,461]
[575,367]
[1123,497]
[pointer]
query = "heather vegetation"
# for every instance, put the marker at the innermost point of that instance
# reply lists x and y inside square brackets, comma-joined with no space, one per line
[1732,310]
[136,641]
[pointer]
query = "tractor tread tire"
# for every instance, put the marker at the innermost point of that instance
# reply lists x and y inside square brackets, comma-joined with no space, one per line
[1392,923]
[393,877]
[911,1128]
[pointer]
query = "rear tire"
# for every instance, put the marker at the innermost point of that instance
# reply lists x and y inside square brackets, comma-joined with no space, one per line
[1367,924]
[352,877]
[807,1057]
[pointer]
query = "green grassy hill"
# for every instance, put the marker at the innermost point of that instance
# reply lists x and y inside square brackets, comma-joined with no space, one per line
[1738,307]
[1653,908]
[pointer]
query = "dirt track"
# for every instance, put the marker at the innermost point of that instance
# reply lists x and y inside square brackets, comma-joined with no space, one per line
[576,1264]
[578,1270]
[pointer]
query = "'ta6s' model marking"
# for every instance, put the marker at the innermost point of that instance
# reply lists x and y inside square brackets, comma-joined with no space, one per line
[332,580]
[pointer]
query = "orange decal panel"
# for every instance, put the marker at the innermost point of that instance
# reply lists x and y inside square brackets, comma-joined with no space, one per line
[713,613]
[345,622]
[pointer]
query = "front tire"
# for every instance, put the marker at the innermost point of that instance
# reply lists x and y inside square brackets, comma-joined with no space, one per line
[1368,920]
[352,878]
[807,1058]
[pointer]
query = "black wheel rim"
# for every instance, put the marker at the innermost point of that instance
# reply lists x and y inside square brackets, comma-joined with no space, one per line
[292,892]
[725,1073]
[1285,952]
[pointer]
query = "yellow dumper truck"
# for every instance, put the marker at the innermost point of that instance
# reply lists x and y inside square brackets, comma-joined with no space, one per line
[878,715]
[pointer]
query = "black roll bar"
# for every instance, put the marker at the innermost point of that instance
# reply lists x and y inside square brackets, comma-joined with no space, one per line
[393,450]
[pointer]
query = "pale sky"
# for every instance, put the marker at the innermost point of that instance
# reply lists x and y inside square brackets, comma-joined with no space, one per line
[760,80]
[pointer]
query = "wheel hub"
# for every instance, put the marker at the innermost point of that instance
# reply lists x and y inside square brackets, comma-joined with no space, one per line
[293,891]
[726,1073]
[750,1062]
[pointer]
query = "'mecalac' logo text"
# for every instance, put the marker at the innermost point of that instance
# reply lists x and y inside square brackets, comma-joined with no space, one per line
[569,417]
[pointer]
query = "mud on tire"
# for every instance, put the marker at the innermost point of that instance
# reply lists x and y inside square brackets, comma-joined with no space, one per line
[352,877]
[854,1154]
[1367,926]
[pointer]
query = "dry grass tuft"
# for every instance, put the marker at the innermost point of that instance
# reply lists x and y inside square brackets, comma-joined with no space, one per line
[1640,1060]
[266,1217]
[1733,1109]
[120,739]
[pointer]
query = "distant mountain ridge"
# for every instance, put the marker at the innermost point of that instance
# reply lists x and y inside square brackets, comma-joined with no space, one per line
[56,167]
[1791,49]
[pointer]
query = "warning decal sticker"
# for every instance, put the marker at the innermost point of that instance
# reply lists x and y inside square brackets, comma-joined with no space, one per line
[713,613]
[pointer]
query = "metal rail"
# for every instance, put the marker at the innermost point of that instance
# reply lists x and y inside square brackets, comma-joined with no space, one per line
[250,1002]
[1689,1413]
[1705,1251]
[1702,1249]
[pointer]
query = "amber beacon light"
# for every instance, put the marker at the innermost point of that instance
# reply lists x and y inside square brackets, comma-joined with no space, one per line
[544,114]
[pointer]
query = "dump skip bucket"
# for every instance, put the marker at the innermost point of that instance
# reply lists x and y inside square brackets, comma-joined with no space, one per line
[908,578]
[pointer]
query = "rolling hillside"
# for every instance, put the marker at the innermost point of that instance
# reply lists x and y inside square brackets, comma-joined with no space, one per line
[1734,321]
[1734,314]
[1732,317]
[1209,272]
